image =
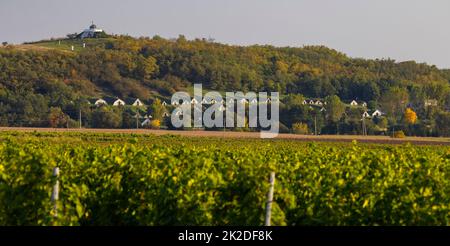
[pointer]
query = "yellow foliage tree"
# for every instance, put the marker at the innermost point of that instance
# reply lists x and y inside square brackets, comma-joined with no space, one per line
[282,66]
[410,116]
[155,124]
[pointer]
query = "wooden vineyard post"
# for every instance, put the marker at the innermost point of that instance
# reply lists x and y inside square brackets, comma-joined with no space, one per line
[55,192]
[269,199]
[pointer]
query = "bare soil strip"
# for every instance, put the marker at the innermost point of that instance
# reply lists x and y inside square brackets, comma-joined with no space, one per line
[244,135]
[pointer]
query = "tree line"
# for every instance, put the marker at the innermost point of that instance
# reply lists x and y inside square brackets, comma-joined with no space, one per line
[36,84]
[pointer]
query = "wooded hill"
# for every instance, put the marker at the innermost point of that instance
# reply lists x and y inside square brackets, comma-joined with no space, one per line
[38,76]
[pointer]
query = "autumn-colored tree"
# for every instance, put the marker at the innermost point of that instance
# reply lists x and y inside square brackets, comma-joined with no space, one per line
[282,66]
[56,118]
[410,116]
[146,67]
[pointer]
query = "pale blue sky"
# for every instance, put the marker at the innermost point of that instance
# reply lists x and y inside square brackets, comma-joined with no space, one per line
[399,29]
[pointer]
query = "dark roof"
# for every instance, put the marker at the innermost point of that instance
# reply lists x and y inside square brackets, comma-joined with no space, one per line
[110,100]
[92,100]
[131,100]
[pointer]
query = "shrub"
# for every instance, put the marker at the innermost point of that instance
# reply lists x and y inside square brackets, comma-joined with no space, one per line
[155,124]
[399,134]
[300,128]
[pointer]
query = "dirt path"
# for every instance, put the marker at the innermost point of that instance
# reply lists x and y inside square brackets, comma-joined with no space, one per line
[228,134]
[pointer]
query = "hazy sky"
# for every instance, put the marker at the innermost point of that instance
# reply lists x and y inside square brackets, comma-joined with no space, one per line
[400,29]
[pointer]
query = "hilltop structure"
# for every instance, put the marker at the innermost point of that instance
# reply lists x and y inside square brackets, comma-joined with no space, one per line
[92,32]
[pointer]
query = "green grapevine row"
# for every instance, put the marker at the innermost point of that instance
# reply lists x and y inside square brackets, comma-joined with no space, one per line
[136,180]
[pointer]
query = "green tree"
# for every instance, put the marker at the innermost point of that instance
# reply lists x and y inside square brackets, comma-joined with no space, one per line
[106,117]
[157,110]
[335,110]
[393,102]
[443,123]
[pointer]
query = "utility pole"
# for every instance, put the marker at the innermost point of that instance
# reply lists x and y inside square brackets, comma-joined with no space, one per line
[315,124]
[363,126]
[137,119]
[80,118]
[66,118]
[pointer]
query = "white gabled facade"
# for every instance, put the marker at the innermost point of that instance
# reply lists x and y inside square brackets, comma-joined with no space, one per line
[377,113]
[137,103]
[119,102]
[100,102]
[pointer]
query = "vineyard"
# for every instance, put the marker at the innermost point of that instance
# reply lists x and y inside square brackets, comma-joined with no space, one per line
[126,179]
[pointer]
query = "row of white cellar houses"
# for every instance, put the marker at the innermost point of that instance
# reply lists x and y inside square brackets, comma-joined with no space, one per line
[320,103]
[118,102]
[213,101]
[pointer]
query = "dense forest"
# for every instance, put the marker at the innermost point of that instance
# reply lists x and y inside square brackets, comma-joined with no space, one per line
[52,86]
